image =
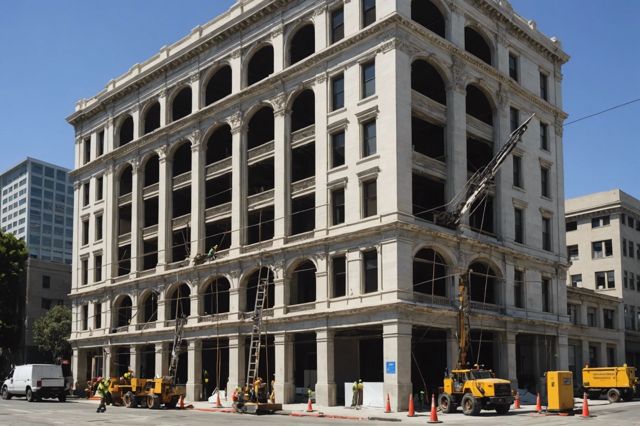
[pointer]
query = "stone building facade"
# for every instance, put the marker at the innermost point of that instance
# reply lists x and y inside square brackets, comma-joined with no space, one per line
[312,142]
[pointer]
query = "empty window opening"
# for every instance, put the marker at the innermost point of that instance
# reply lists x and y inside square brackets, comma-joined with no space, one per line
[425,79]
[339,276]
[478,106]
[303,162]
[370,271]
[260,128]
[482,283]
[368,12]
[425,13]
[182,159]
[427,138]
[125,134]
[305,357]
[122,358]
[181,105]
[303,111]
[216,296]
[303,214]
[123,309]
[369,138]
[152,171]
[368,75]
[475,44]
[513,66]
[337,24]
[98,229]
[100,143]
[150,206]
[429,273]
[215,363]
[260,176]
[150,307]
[97,315]
[181,201]
[428,196]
[97,269]
[85,232]
[337,92]
[218,233]
[481,216]
[479,154]
[219,145]
[429,349]
[260,225]
[180,302]
[252,287]
[124,219]
[218,190]
[152,118]
[260,65]
[180,244]
[302,44]
[124,260]
[85,194]
[150,254]
[125,185]
[303,284]
[219,85]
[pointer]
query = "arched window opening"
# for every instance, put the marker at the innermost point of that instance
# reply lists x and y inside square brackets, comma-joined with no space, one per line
[123,309]
[150,307]
[181,105]
[260,176]
[125,185]
[180,302]
[475,44]
[125,134]
[303,284]
[260,65]
[482,283]
[429,273]
[152,171]
[303,111]
[478,106]
[216,297]
[251,287]
[426,79]
[152,118]
[182,160]
[302,44]
[219,145]
[479,153]
[219,85]
[427,138]
[180,244]
[425,13]
[260,128]
[303,162]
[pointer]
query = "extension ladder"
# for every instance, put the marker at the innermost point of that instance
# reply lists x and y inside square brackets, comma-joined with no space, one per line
[256,329]
[175,351]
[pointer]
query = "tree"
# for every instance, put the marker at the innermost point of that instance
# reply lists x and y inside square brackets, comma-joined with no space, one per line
[51,332]
[13,256]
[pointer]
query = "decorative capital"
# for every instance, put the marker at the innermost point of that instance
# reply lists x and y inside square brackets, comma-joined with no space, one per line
[458,76]
[135,163]
[135,108]
[195,137]
[279,103]
[163,93]
[277,31]
[162,153]
[319,11]
[194,77]
[236,54]
[321,78]
[235,121]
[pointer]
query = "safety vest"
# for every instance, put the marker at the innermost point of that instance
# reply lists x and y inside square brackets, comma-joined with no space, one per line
[127,375]
[103,386]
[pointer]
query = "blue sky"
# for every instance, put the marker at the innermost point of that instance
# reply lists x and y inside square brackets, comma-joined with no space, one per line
[56,52]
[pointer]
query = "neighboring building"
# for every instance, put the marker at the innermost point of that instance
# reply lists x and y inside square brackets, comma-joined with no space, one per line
[316,140]
[603,246]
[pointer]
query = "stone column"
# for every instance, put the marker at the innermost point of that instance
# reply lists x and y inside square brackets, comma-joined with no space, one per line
[135,115]
[79,366]
[238,189]
[162,100]
[452,349]
[194,374]
[281,171]
[585,353]
[326,388]
[279,54]
[456,137]
[503,204]
[562,351]
[135,357]
[197,195]
[322,150]
[455,26]
[285,386]
[164,214]
[397,363]
[76,278]
[194,301]
[110,218]
[162,361]
[237,367]
[320,27]
[235,62]
[281,295]
[136,218]
[162,308]
[354,273]
[322,282]
[512,368]
[195,92]
[107,367]
[234,301]
[602,355]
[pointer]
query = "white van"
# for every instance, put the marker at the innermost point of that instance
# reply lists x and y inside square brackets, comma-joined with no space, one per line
[35,381]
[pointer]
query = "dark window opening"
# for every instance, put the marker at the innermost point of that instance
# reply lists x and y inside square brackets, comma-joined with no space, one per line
[150,206]
[427,138]
[369,198]
[260,65]
[425,13]
[124,260]
[85,232]
[150,254]
[303,162]
[260,128]
[337,149]
[152,118]
[478,106]
[339,276]
[97,269]
[429,273]
[544,86]
[216,297]
[126,131]
[518,288]
[481,218]
[337,92]
[337,206]
[482,283]
[97,315]
[98,228]
[513,66]
[181,202]
[218,191]
[85,194]
[46,281]
[85,271]
[546,234]
[99,188]
[544,182]
[544,137]
[475,44]
[337,25]
[546,295]
[181,105]
[428,196]
[100,143]
[369,138]
[303,284]
[218,233]
[260,225]
[302,44]
[219,85]
[370,270]
[152,171]
[303,214]
[514,118]
[517,171]
[150,308]
[180,302]
[572,225]
[303,111]
[180,244]
[260,176]
[368,12]
[368,76]
[518,216]
[125,185]
[124,312]
[87,150]
[252,287]
[182,160]
[479,154]
[425,79]
[219,145]
[124,219]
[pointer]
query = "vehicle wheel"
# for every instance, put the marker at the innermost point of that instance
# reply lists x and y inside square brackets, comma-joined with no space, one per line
[30,396]
[613,395]
[446,404]
[62,397]
[129,400]
[5,393]
[142,401]
[153,402]
[502,409]
[470,405]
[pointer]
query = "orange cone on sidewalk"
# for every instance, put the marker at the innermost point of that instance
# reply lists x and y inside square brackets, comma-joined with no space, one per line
[412,409]
[433,417]
[309,406]
[585,406]
[538,404]
[218,404]
[516,404]
[387,407]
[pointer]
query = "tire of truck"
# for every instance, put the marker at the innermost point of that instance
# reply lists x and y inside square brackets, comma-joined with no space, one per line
[613,395]
[6,394]
[446,404]
[129,400]
[30,396]
[470,405]
[62,397]
[502,409]
[153,402]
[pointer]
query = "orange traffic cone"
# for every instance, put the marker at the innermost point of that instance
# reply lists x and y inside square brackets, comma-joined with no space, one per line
[309,406]
[538,404]
[387,407]
[182,402]
[516,404]
[218,404]
[433,417]
[585,406]
[412,409]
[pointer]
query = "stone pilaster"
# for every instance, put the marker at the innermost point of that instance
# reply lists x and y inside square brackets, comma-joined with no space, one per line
[396,337]
[326,388]
[194,375]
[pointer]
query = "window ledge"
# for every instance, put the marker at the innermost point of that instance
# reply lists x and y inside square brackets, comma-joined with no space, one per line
[368,99]
[519,189]
[336,112]
[368,158]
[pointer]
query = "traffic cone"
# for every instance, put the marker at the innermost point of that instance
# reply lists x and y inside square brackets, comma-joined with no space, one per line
[585,406]
[538,404]
[218,404]
[433,417]
[309,406]
[516,404]
[387,407]
[182,402]
[412,409]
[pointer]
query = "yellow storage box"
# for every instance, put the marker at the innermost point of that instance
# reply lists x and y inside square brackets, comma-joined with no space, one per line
[559,391]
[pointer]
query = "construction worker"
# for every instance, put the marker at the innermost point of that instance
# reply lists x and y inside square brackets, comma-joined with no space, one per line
[256,388]
[128,375]
[360,394]
[103,390]
[212,253]
[205,381]
[354,391]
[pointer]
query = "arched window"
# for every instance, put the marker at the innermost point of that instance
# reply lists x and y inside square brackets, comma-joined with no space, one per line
[125,133]
[251,286]
[219,145]
[302,288]
[182,159]
[478,106]
[260,129]
[302,44]
[152,171]
[260,65]
[426,79]
[482,283]
[429,273]
[216,296]
[123,311]
[125,184]
[149,307]
[303,111]
[475,44]
[181,105]
[179,302]
[425,13]
[219,85]
[152,118]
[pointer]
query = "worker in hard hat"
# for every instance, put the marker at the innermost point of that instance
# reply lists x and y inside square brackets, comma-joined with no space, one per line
[103,390]
[360,394]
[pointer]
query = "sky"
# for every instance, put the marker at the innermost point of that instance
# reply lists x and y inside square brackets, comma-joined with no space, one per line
[56,52]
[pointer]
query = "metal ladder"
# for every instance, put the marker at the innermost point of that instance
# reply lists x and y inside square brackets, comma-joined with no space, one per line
[254,347]
[175,351]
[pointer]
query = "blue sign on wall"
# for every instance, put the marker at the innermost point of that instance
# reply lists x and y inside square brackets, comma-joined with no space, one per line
[391,367]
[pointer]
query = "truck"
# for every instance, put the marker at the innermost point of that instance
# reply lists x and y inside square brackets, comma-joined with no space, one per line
[474,390]
[618,383]
[35,381]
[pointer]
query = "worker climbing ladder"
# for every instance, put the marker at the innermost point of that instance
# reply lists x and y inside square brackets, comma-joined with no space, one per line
[177,343]
[256,329]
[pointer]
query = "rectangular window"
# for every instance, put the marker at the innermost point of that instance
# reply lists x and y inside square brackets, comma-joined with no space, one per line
[573,253]
[337,149]
[85,271]
[576,280]
[46,281]
[87,150]
[97,315]
[631,245]
[632,281]
[99,185]
[368,12]
[337,206]
[572,311]
[368,138]
[544,137]
[518,288]
[370,263]
[605,279]
[84,314]
[98,228]
[97,268]
[546,295]
[517,171]
[544,182]
[631,222]
[337,25]
[597,222]
[514,118]
[85,194]
[100,143]
[572,226]
[592,317]
[625,279]
[369,199]
[337,92]
[339,272]
[608,317]
[623,218]
[85,232]
[519,225]
[546,233]
[368,72]
[513,66]
[600,249]
[544,86]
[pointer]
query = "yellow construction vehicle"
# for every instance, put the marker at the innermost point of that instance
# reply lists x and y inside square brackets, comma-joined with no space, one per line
[616,382]
[474,390]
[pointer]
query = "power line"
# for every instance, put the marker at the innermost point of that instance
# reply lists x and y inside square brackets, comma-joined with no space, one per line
[602,112]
